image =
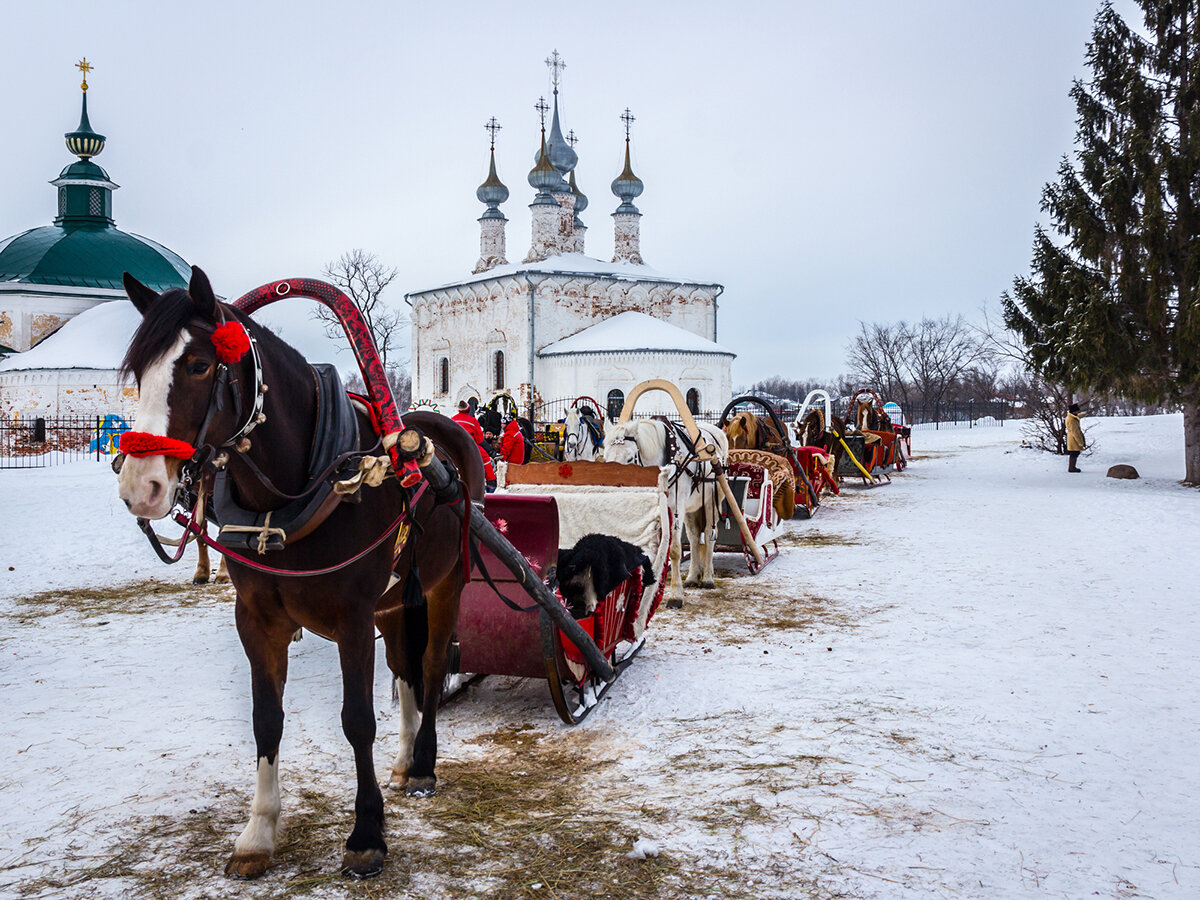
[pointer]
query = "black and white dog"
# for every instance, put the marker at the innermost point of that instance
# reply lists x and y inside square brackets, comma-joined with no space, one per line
[594,566]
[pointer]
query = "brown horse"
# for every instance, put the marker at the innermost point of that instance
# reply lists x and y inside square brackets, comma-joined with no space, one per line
[747,431]
[812,432]
[191,395]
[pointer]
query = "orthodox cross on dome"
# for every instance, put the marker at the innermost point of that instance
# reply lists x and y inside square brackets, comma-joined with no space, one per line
[628,119]
[542,107]
[492,127]
[84,66]
[556,64]
[571,139]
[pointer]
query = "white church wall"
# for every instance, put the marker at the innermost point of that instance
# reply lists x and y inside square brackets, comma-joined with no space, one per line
[65,392]
[596,374]
[29,314]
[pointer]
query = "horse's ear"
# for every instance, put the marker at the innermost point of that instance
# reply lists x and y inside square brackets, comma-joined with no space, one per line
[201,293]
[139,295]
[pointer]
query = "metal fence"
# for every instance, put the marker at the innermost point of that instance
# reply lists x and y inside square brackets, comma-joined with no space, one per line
[36,442]
[960,413]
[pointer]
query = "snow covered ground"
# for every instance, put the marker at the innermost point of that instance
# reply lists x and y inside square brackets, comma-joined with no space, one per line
[975,682]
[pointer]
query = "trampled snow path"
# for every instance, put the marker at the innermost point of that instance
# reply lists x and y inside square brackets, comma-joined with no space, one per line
[977,681]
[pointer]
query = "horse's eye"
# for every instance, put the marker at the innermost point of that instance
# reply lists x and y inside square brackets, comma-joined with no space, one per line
[197,367]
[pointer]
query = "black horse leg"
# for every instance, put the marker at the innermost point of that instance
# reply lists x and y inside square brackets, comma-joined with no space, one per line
[442,604]
[266,646]
[365,848]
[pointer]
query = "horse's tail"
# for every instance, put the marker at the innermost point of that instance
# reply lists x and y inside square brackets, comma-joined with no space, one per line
[415,610]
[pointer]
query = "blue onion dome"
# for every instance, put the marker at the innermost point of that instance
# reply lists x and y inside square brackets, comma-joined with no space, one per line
[562,155]
[581,200]
[627,186]
[83,141]
[493,191]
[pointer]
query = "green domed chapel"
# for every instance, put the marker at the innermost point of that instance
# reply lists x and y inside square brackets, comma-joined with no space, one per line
[51,273]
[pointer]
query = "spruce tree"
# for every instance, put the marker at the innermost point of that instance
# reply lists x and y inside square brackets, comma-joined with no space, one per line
[1111,302]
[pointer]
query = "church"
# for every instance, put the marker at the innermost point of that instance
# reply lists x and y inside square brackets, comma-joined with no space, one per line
[560,324]
[64,336]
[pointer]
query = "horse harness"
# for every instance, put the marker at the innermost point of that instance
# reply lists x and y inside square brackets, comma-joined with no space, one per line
[332,459]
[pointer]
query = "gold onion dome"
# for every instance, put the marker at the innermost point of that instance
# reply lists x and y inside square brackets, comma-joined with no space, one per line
[493,192]
[543,177]
[627,186]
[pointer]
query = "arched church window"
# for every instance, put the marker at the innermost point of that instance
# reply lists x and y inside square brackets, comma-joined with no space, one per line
[498,369]
[444,375]
[616,400]
[693,401]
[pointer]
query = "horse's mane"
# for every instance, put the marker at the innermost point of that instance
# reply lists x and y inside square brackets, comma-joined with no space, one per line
[170,314]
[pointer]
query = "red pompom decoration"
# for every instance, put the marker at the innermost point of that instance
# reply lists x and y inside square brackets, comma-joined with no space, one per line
[231,342]
[143,443]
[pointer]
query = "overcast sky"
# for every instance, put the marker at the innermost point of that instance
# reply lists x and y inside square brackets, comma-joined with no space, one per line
[826,162]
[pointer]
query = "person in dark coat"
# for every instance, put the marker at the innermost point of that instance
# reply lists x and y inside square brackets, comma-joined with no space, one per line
[464,418]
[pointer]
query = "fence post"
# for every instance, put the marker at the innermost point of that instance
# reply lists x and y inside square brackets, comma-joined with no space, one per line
[971,413]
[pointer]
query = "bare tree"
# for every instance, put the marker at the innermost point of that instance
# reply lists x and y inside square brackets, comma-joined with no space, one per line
[879,357]
[363,277]
[940,354]
[399,381]
[1045,402]
[927,362]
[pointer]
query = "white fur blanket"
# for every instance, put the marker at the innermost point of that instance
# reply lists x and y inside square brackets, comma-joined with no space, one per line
[634,514]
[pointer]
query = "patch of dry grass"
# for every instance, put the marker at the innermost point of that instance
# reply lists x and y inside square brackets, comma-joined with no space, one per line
[796,538]
[130,598]
[536,816]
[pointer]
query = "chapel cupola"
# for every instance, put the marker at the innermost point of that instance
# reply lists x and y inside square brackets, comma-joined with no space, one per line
[627,187]
[545,212]
[84,189]
[491,224]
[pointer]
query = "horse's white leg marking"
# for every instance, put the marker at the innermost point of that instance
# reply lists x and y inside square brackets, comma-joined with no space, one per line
[260,832]
[144,483]
[410,723]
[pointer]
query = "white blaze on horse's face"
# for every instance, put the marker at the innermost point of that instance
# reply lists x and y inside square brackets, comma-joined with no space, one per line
[147,484]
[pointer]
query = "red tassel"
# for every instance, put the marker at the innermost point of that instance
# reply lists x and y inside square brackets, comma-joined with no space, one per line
[142,443]
[231,342]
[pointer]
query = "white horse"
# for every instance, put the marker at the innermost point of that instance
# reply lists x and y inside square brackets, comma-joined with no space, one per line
[693,497]
[578,443]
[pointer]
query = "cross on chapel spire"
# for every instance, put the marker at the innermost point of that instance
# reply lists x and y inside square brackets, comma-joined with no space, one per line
[84,66]
[492,127]
[556,64]
[628,119]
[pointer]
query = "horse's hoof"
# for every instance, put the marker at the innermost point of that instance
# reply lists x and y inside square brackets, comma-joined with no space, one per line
[398,781]
[707,585]
[222,579]
[425,786]
[675,604]
[200,579]
[363,863]
[247,865]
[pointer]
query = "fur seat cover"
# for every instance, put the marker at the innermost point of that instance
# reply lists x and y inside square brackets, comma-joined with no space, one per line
[634,514]
[781,477]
